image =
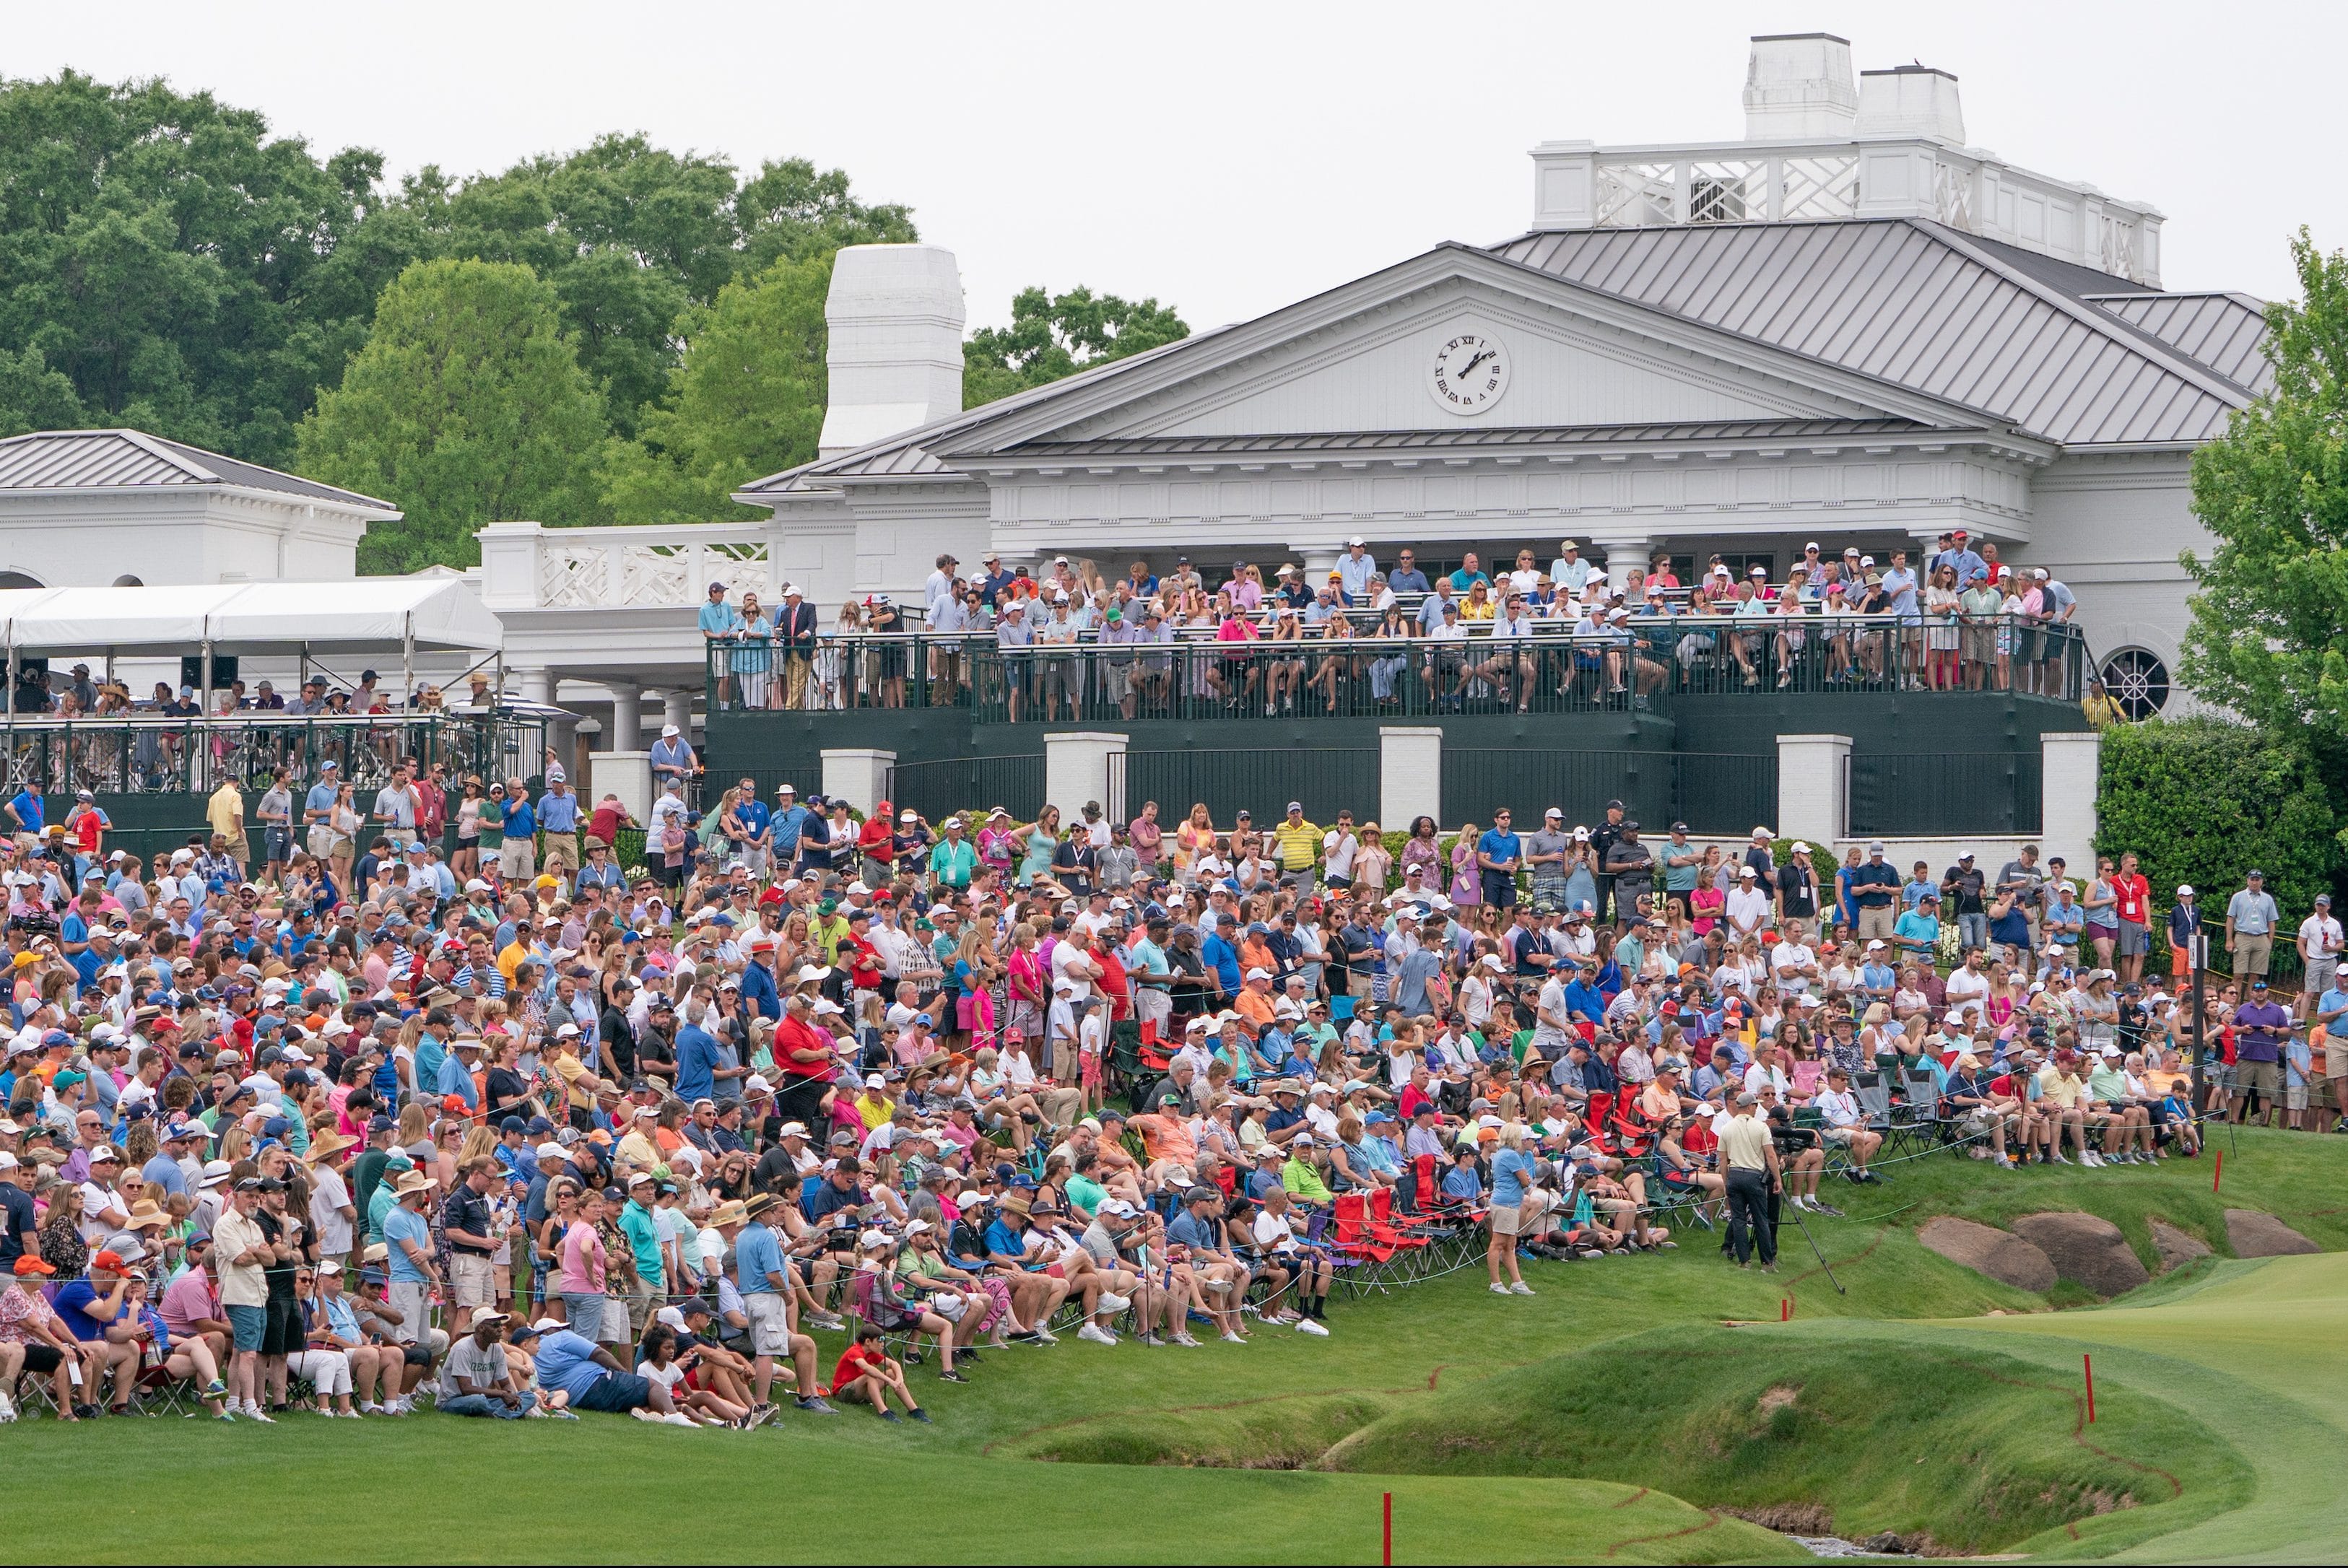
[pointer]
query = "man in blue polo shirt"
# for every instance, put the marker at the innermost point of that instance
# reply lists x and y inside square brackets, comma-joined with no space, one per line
[1499,853]
[1875,889]
[756,816]
[789,817]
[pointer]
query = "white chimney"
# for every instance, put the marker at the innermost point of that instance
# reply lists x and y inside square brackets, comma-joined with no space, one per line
[895,319]
[1910,100]
[1798,86]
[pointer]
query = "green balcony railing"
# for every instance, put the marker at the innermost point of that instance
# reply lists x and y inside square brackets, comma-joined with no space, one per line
[1550,672]
[149,755]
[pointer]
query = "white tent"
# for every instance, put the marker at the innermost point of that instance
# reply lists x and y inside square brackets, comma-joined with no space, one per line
[364,617]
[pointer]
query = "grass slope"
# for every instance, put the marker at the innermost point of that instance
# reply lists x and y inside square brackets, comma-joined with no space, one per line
[528,1493]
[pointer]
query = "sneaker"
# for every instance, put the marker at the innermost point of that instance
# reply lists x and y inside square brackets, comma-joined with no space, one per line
[224,1416]
[1186,1341]
[1498,1289]
[758,1417]
[828,1321]
[644,1415]
[1046,1337]
[1306,1326]
[816,1405]
[255,1413]
[2090,1159]
[371,1409]
[1232,1339]
[213,1390]
[403,1405]
[891,1417]
[1150,1339]
[1521,1289]
[951,1376]
[676,1419]
[920,1415]
[1096,1334]
[1114,1304]
[2061,1158]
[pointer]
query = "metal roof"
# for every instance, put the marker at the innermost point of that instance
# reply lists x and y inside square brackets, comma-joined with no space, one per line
[1914,303]
[1335,442]
[2226,332]
[132,459]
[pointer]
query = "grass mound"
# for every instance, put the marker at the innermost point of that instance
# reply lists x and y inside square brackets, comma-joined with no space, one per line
[1274,1433]
[1963,1450]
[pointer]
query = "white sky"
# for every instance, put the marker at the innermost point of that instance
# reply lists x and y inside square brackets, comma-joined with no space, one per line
[1230,159]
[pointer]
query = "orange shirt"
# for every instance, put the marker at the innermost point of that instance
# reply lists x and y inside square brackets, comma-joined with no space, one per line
[1165,1137]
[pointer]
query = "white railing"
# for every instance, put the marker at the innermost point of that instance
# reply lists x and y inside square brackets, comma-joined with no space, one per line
[1645,192]
[527,566]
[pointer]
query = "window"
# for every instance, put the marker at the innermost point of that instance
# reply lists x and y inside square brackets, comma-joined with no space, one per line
[2138,681]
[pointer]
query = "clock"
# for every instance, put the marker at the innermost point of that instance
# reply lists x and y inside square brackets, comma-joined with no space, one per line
[1469,371]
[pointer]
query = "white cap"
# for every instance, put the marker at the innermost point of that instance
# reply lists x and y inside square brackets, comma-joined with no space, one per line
[669,731]
[1259,974]
[1800,848]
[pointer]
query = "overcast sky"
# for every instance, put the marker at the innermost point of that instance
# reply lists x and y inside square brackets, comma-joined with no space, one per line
[1230,159]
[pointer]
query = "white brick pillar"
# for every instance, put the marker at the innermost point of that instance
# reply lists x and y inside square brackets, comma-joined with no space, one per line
[1076,770]
[1813,788]
[625,774]
[1410,775]
[2070,771]
[858,776]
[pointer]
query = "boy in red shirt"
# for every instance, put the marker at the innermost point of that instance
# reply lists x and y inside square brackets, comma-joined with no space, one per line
[863,1371]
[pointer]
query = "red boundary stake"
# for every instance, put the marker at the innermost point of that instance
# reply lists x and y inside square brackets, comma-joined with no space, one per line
[2087,1363]
[2218,1173]
[1388,1507]
[1784,1309]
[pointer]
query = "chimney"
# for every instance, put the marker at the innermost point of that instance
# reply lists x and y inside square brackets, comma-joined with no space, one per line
[1797,87]
[1910,100]
[895,319]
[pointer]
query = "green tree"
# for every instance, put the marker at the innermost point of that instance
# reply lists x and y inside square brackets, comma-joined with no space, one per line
[635,238]
[185,270]
[1051,336]
[2269,636]
[33,396]
[466,405]
[747,400]
[2202,801]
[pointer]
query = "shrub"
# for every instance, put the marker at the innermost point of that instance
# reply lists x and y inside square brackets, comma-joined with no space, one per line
[2202,801]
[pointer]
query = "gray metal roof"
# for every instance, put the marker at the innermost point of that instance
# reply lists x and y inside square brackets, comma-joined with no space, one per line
[1339,442]
[1914,304]
[2226,332]
[118,459]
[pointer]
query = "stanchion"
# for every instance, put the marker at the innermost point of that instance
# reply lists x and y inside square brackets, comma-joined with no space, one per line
[2087,1363]
[1784,1309]
[2218,1174]
[1388,1505]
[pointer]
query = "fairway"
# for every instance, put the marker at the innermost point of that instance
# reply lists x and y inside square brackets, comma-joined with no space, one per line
[2231,1376]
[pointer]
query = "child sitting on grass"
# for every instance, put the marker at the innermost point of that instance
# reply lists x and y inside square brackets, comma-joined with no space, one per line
[865,1372]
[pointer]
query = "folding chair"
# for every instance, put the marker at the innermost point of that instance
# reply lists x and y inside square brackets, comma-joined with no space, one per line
[156,1386]
[1874,1097]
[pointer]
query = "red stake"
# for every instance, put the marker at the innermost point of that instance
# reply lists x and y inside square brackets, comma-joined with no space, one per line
[1784,1309]
[2088,1362]
[1389,1528]
[2218,1174]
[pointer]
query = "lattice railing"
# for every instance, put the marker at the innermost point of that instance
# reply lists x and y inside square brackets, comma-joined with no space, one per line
[595,571]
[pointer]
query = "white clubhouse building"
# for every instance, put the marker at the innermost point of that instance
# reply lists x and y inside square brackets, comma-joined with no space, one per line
[1851,327]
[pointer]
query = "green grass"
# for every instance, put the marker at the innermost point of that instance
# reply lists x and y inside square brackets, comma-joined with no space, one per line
[977,1492]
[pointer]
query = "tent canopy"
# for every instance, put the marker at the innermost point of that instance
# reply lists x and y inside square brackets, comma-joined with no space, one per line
[360,615]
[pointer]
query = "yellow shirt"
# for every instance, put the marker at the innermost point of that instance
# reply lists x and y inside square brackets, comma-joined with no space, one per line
[2103,712]
[874,1110]
[226,811]
[1296,841]
[573,1072]
[1744,1143]
[2063,1089]
[1471,610]
[512,959]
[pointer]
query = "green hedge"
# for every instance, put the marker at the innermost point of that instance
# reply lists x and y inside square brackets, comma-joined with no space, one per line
[2202,801]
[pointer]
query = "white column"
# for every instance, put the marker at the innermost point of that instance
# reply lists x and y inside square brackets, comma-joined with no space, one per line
[1410,775]
[1618,555]
[627,716]
[538,686]
[625,774]
[676,708]
[509,565]
[1813,787]
[2071,766]
[1076,770]
[858,776]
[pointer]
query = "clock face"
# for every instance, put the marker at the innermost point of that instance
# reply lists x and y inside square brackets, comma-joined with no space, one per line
[1469,371]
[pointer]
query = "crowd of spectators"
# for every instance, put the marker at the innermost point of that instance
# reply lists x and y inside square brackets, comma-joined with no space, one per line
[823,1110]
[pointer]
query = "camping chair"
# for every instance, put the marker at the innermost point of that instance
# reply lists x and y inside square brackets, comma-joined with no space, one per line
[1874,1097]
[158,1391]
[1927,1127]
[1809,1120]
[1351,1239]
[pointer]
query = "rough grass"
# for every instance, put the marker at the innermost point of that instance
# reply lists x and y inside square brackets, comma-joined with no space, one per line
[1962,1449]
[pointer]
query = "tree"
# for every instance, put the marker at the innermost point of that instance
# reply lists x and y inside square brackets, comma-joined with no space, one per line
[33,396]
[747,400]
[1050,337]
[2202,801]
[466,405]
[183,270]
[2269,636]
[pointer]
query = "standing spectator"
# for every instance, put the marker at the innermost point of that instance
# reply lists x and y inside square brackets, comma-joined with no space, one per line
[2261,1027]
[1875,889]
[2250,920]
[2319,950]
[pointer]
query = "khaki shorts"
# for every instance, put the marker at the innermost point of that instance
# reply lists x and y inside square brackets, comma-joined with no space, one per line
[2264,1077]
[1504,1219]
[770,1329]
[2253,954]
[408,1298]
[472,1280]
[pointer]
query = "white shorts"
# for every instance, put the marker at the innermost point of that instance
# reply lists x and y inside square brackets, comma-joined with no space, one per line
[407,1298]
[770,1330]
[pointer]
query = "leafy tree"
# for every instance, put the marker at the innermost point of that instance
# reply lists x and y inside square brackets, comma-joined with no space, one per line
[2202,801]
[2269,637]
[468,405]
[1053,336]
[33,396]
[634,238]
[183,270]
[747,400]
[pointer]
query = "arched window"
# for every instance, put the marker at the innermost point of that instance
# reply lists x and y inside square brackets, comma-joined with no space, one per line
[18,580]
[128,579]
[2139,680]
